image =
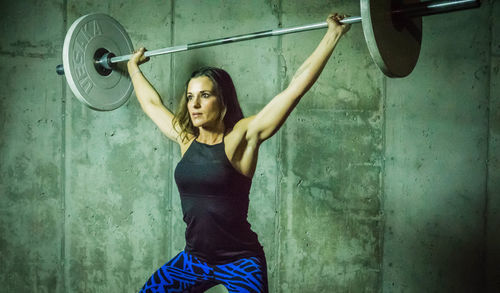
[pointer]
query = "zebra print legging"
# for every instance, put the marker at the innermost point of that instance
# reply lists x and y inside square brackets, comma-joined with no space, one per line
[187,273]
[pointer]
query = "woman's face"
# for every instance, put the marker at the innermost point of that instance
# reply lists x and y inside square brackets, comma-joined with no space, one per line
[203,105]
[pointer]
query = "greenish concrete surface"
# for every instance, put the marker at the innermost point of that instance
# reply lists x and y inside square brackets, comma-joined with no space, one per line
[493,208]
[372,185]
[118,173]
[436,149]
[493,203]
[31,202]
[331,163]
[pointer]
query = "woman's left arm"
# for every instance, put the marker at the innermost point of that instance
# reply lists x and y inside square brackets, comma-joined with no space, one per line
[269,120]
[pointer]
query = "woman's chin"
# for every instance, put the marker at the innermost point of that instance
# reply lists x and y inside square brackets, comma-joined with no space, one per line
[196,123]
[204,123]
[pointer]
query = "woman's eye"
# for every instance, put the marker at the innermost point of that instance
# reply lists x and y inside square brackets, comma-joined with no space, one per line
[189,98]
[205,95]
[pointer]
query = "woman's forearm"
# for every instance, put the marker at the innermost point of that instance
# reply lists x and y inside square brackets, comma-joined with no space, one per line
[310,70]
[149,98]
[269,120]
[145,92]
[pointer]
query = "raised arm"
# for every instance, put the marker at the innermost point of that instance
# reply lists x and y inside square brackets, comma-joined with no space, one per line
[149,98]
[269,120]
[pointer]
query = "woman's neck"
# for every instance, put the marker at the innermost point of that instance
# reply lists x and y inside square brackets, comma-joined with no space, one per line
[211,135]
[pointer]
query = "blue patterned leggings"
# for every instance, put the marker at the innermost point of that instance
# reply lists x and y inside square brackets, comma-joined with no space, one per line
[187,273]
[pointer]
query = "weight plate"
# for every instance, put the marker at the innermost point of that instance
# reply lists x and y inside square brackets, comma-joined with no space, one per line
[89,35]
[393,41]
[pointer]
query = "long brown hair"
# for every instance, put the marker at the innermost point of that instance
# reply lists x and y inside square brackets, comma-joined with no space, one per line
[226,94]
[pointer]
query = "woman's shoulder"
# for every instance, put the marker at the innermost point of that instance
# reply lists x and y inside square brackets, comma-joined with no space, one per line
[241,151]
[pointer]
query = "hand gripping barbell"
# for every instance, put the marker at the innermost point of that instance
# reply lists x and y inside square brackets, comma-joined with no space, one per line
[392,29]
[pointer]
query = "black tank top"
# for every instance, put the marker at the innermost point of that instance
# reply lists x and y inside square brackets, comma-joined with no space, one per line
[214,199]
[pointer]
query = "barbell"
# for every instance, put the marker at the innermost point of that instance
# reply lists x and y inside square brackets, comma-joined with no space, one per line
[94,42]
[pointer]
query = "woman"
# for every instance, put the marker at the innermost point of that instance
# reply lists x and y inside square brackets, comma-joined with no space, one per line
[219,150]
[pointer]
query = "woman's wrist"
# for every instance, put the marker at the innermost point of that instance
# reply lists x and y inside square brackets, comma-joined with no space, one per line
[333,33]
[132,65]
[332,37]
[133,69]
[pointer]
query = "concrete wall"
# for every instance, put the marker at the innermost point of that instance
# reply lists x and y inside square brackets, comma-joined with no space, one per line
[436,154]
[31,147]
[493,202]
[372,185]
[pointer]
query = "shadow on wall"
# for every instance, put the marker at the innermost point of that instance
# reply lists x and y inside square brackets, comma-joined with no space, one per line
[436,244]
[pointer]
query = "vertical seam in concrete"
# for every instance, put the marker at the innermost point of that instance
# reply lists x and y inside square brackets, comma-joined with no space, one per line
[63,161]
[382,184]
[486,194]
[170,186]
[277,214]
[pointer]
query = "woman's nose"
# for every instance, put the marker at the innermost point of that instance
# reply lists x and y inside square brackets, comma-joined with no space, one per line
[196,102]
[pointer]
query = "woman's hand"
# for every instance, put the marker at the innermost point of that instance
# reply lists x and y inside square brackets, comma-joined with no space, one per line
[138,57]
[334,24]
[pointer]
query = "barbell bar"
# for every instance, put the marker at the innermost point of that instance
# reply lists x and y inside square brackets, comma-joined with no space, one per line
[393,34]
[415,10]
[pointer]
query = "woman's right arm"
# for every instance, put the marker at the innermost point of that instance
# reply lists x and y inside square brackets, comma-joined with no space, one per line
[149,98]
